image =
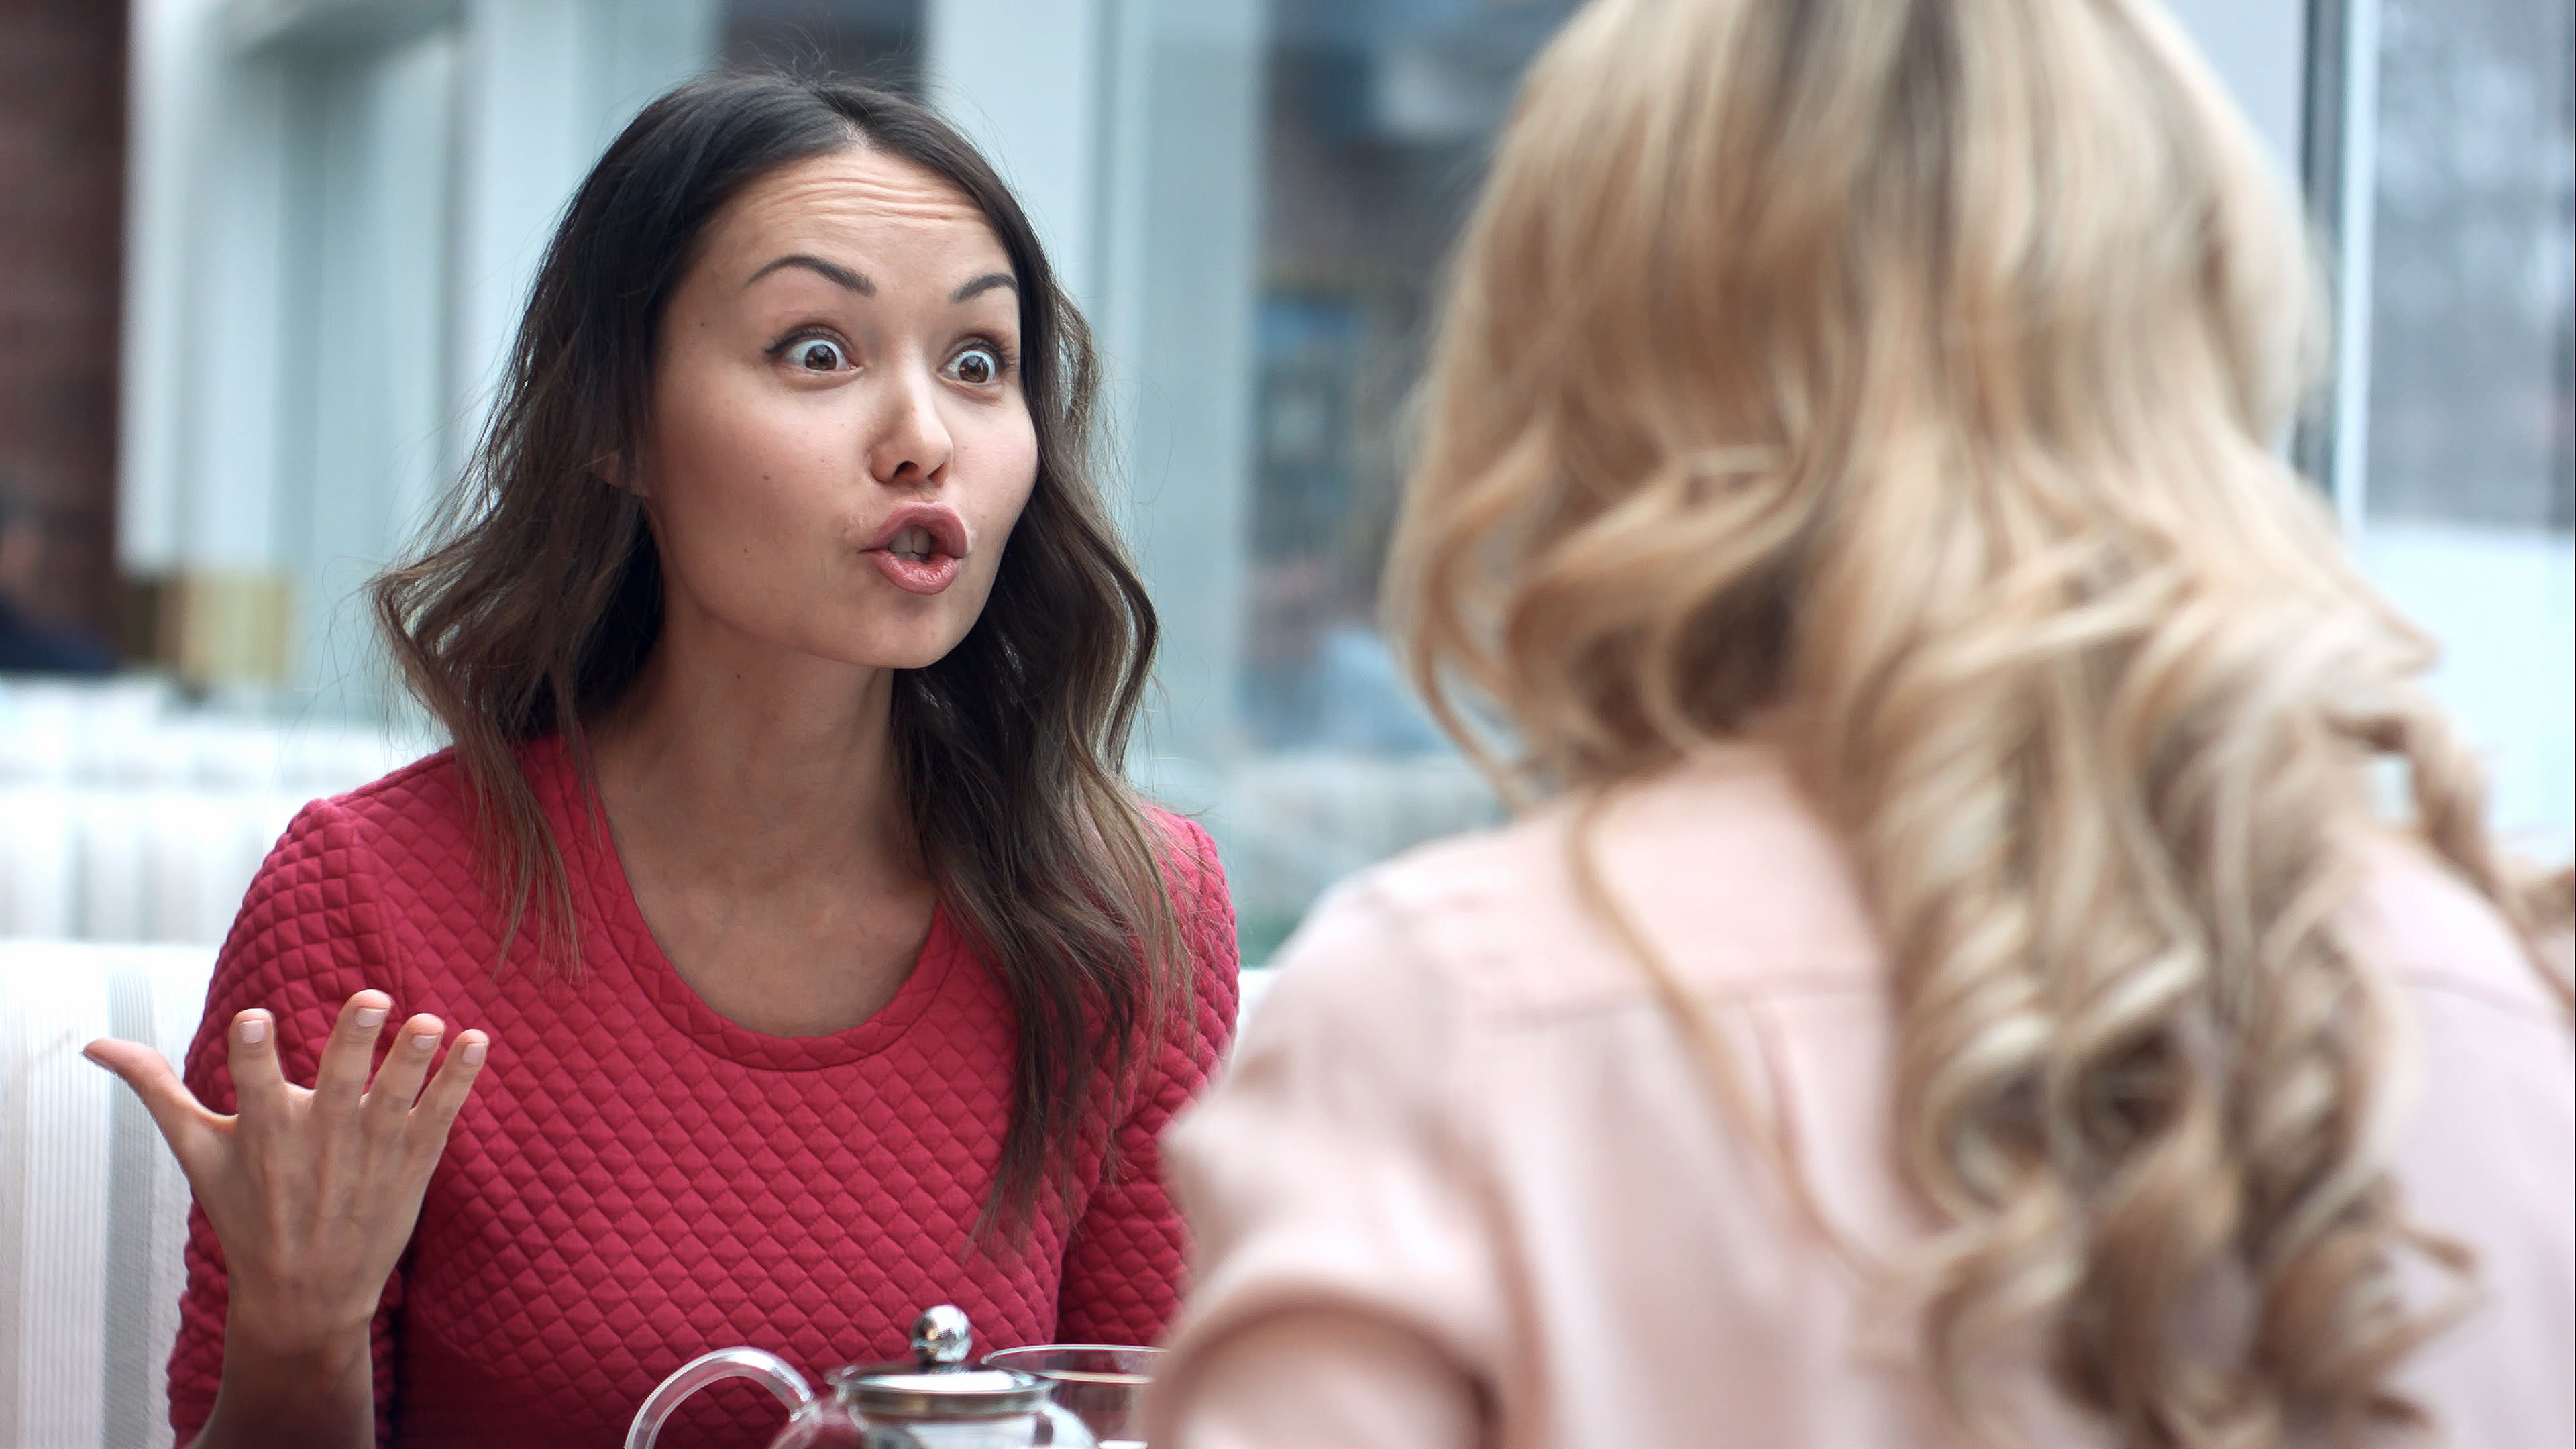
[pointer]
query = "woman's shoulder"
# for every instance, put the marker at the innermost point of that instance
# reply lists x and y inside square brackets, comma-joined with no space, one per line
[421,816]
[1195,878]
[1188,851]
[421,796]
[348,863]
[428,791]
[2436,934]
[1720,862]
[412,818]
[312,923]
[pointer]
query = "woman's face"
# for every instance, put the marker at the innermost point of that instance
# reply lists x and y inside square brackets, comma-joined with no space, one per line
[839,444]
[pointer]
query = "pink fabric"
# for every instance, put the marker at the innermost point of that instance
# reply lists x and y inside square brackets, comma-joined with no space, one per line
[1465,1183]
[637,1180]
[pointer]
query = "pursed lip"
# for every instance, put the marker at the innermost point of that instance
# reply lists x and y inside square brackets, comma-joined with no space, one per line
[946,529]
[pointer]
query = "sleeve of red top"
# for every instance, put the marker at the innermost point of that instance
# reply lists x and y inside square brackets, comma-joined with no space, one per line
[306,939]
[1127,1263]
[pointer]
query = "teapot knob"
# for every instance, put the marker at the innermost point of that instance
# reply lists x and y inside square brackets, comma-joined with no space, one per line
[941,1337]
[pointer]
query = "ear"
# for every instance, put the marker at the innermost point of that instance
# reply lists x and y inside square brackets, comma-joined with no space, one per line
[613,469]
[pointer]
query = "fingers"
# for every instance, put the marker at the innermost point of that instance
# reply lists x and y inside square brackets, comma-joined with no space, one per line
[389,1097]
[350,1055]
[250,1048]
[185,1123]
[446,1095]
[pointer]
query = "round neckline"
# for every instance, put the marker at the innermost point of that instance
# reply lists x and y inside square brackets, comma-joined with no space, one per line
[617,939]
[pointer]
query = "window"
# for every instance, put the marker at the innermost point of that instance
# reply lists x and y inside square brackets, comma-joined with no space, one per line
[1252,199]
[1378,123]
[2465,496]
[1376,126]
[875,40]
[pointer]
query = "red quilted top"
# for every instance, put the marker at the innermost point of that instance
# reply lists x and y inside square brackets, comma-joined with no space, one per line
[637,1180]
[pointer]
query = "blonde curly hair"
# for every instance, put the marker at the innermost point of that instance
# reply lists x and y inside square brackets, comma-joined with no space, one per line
[1897,379]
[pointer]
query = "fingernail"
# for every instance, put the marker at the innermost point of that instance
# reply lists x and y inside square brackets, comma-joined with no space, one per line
[254,1031]
[422,1042]
[473,1053]
[370,1017]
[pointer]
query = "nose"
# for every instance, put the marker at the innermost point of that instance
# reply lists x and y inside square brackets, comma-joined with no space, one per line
[910,446]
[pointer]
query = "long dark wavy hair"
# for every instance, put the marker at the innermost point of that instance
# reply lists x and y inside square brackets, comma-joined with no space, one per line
[539,597]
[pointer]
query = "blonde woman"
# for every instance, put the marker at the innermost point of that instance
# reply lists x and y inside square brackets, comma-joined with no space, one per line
[1956,986]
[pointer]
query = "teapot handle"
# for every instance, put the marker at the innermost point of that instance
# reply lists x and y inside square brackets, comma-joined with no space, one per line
[773,1372]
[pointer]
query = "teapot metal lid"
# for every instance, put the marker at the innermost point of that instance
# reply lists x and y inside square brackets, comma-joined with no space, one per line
[935,1383]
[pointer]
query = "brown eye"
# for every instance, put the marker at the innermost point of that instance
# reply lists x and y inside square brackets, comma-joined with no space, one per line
[818,354]
[977,365]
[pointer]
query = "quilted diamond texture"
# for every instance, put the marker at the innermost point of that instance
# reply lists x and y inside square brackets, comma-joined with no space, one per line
[637,1180]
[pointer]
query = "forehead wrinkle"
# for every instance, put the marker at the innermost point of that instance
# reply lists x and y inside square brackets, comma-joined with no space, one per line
[843,193]
[824,204]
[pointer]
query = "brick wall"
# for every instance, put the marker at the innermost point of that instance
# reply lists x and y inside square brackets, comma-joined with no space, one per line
[62,210]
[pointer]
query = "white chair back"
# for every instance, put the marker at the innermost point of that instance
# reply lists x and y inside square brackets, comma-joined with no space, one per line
[126,815]
[93,1208]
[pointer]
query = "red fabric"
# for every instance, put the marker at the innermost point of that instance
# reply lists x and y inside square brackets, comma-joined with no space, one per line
[636,1180]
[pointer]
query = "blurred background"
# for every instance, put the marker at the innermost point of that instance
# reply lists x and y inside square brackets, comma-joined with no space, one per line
[260,259]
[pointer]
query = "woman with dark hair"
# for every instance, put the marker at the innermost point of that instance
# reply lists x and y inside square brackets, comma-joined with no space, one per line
[783,865]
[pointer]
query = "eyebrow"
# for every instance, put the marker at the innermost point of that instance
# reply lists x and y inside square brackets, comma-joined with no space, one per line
[983,284]
[832,272]
[851,281]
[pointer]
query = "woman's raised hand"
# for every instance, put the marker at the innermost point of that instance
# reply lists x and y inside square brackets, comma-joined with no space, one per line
[313,1194]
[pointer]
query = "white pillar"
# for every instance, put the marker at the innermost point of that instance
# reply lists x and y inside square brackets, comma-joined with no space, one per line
[335,213]
[522,136]
[2355,262]
[1131,131]
[1023,79]
[365,388]
[547,84]
[2260,50]
[205,281]
[173,63]
[1185,248]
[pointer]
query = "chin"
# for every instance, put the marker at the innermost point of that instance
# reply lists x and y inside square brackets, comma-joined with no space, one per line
[869,634]
[894,649]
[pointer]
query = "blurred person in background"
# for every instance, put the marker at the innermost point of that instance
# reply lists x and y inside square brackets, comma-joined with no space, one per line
[27,644]
[1957,988]
[827,965]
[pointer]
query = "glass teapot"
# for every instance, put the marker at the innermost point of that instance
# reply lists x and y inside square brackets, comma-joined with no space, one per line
[931,1401]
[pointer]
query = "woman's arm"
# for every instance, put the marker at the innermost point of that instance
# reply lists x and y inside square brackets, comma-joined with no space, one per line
[269,1397]
[1316,1377]
[313,1195]
[1347,1290]
[305,1198]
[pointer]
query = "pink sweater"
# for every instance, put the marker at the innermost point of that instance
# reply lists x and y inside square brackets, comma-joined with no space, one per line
[637,1180]
[1466,1185]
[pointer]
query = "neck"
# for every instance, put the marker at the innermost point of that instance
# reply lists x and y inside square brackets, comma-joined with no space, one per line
[755,763]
